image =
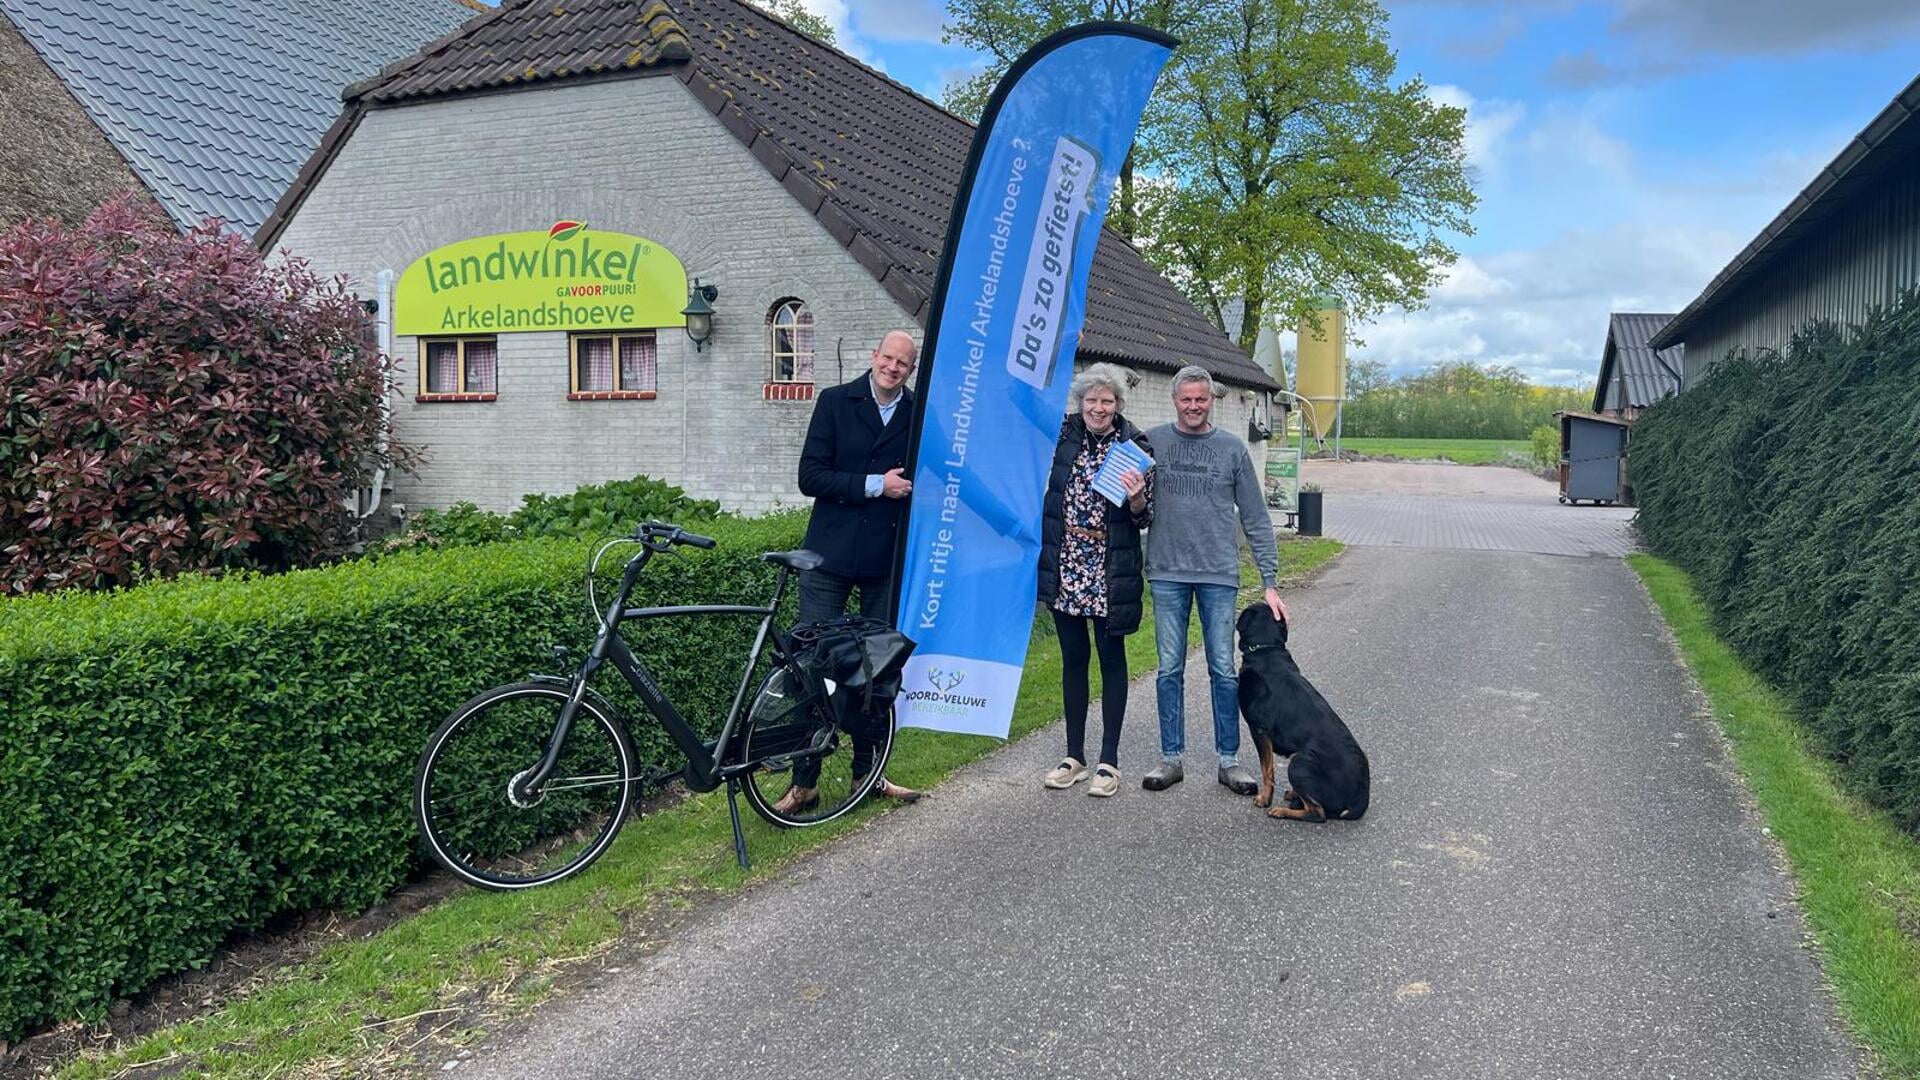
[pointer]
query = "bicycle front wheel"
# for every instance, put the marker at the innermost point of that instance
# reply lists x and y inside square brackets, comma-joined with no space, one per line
[812,768]
[474,820]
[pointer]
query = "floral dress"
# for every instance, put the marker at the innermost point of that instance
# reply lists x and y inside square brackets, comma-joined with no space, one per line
[1083,550]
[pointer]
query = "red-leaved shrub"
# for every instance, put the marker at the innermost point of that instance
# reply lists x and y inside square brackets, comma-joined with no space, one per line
[174,402]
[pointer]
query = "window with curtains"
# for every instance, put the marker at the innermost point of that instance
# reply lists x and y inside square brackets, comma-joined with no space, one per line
[790,342]
[459,369]
[621,364]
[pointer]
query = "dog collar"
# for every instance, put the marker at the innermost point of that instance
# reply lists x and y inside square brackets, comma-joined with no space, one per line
[1258,648]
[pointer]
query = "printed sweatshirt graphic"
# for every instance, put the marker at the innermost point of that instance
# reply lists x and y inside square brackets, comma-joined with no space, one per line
[1206,494]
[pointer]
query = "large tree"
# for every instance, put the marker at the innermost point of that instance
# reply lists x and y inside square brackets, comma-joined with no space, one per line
[1003,29]
[1293,165]
[1279,160]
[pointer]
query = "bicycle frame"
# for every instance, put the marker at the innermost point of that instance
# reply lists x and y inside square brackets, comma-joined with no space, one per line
[704,769]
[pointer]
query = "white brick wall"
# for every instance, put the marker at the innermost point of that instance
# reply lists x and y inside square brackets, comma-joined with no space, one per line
[634,156]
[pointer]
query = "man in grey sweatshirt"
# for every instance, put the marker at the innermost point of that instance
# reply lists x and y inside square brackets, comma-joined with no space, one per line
[1205,495]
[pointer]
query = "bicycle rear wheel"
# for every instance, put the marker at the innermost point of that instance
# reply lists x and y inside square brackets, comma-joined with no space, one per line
[800,745]
[473,823]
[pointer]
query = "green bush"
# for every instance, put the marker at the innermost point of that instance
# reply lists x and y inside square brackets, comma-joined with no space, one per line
[1543,446]
[172,402]
[599,509]
[189,758]
[1785,485]
[461,525]
[594,510]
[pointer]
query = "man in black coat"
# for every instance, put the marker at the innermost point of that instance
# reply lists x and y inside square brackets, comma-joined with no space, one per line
[851,467]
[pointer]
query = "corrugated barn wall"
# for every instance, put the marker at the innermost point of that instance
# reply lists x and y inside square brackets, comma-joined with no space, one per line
[1862,258]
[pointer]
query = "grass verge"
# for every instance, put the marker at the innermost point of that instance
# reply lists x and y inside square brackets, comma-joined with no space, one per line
[1858,875]
[445,977]
[1460,451]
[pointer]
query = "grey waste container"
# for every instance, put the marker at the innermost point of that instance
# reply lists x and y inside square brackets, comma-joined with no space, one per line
[1593,458]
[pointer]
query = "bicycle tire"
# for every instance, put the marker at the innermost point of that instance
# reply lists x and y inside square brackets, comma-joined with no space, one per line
[464,774]
[783,740]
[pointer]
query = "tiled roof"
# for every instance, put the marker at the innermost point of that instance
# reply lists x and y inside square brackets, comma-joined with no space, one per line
[877,164]
[1650,374]
[216,104]
[523,43]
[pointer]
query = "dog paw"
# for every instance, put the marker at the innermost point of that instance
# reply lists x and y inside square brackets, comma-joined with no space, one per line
[1262,800]
[1278,812]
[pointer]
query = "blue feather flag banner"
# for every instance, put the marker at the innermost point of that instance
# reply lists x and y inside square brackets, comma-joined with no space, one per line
[1007,310]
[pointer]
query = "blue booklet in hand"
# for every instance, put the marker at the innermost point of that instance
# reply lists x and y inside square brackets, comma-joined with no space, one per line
[1121,456]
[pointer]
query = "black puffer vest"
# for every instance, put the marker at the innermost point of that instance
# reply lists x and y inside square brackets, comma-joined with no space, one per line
[1126,576]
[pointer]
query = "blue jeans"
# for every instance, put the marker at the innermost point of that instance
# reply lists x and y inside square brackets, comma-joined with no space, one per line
[1172,601]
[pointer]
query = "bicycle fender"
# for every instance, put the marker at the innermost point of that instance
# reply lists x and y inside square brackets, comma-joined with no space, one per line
[599,701]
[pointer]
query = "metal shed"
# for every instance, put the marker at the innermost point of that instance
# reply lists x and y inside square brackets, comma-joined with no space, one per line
[1593,458]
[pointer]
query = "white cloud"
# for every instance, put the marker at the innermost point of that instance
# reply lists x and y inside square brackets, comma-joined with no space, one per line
[857,24]
[900,20]
[1771,27]
[837,15]
[1489,123]
[1544,308]
[1570,135]
[1467,282]
[1683,30]
[1578,223]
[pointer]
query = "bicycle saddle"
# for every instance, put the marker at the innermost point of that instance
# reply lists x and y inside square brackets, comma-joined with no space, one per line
[794,560]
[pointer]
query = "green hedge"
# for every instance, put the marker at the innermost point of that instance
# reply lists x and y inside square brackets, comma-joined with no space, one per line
[191,758]
[1788,487]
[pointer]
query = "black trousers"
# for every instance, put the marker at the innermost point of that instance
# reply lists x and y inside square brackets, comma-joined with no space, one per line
[1075,656]
[822,596]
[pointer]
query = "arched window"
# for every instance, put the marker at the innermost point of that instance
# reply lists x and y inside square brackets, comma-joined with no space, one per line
[790,342]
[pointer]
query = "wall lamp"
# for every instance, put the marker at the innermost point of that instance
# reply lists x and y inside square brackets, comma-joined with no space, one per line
[699,313]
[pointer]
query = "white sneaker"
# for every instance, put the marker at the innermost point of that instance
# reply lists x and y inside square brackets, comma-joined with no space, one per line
[1069,772]
[1106,782]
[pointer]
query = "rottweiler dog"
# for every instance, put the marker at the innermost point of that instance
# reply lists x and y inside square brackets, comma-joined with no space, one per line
[1327,773]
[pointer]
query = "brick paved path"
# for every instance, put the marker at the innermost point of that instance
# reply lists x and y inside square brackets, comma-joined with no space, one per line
[1491,525]
[1460,507]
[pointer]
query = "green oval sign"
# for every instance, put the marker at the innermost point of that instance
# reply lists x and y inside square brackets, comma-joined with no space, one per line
[566,277]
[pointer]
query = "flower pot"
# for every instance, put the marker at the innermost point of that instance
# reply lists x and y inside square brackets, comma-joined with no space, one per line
[1310,513]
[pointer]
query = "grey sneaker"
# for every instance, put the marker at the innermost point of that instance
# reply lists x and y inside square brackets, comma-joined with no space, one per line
[1164,775]
[1238,780]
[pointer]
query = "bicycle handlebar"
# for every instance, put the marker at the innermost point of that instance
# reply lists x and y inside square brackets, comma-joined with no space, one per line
[659,532]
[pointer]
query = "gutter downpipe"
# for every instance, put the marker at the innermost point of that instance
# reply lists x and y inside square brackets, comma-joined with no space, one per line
[384,289]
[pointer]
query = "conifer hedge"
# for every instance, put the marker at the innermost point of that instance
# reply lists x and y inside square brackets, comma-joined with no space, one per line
[1788,486]
[190,758]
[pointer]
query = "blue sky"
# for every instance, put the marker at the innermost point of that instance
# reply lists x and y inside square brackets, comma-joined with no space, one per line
[1624,150]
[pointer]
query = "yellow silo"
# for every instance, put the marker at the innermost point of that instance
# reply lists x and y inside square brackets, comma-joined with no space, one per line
[1320,369]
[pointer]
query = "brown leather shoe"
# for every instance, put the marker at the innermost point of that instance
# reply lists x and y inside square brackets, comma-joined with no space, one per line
[796,800]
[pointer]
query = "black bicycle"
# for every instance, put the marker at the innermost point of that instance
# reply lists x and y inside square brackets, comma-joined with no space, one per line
[529,783]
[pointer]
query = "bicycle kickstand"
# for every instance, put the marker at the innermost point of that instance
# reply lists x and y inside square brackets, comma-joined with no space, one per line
[739,837]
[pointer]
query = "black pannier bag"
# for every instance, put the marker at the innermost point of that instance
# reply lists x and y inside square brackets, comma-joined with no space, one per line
[856,662]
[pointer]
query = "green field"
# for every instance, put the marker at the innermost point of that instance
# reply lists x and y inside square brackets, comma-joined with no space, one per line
[1462,451]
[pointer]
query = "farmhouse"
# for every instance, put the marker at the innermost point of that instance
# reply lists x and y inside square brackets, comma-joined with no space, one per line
[614,237]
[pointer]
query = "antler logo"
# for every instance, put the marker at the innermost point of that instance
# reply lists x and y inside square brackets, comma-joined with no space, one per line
[945,681]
